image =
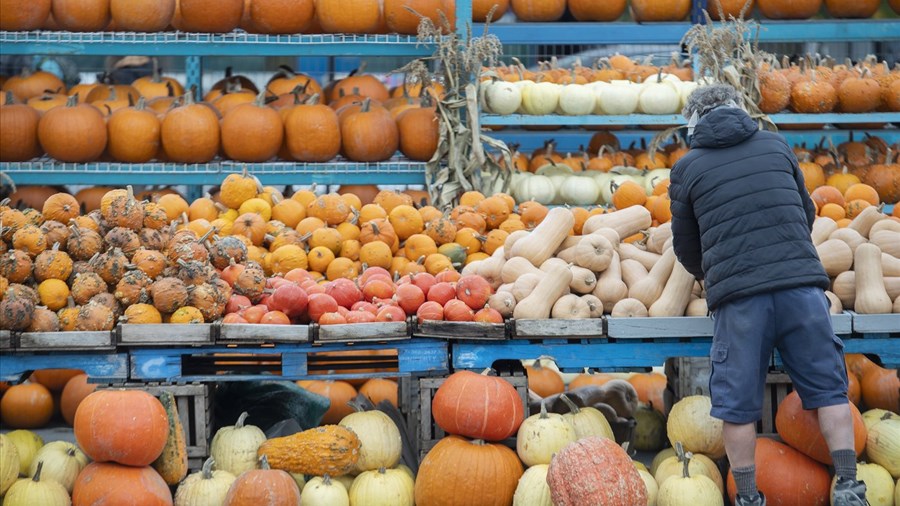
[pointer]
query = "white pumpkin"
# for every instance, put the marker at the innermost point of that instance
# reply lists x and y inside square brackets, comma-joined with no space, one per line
[384,487]
[558,173]
[690,422]
[873,416]
[234,447]
[27,445]
[879,484]
[883,445]
[541,98]
[323,491]
[619,98]
[63,462]
[615,181]
[9,463]
[521,86]
[502,97]
[587,421]
[379,437]
[689,490]
[576,100]
[654,177]
[533,489]
[579,190]
[652,487]
[537,188]
[37,491]
[659,97]
[204,488]
[542,435]
[685,89]
[700,464]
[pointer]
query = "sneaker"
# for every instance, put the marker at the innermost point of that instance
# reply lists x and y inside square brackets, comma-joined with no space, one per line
[849,493]
[759,500]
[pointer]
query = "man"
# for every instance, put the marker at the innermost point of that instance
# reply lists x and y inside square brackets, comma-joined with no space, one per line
[741,220]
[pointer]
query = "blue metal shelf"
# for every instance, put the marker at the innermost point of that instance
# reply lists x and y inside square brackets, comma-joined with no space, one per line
[672,33]
[237,43]
[46,171]
[677,119]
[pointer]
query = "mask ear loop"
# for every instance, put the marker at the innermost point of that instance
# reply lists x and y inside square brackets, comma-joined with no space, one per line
[692,123]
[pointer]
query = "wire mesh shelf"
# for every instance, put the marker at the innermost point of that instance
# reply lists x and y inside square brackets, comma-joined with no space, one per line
[676,119]
[237,43]
[46,171]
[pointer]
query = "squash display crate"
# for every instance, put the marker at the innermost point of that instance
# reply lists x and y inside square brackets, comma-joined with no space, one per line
[193,401]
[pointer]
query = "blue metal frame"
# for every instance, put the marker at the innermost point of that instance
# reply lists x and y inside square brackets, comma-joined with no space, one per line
[677,119]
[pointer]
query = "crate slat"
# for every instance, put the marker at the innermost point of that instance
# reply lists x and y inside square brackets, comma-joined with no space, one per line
[6,340]
[659,327]
[461,330]
[529,329]
[842,323]
[247,333]
[66,341]
[165,334]
[876,323]
[357,332]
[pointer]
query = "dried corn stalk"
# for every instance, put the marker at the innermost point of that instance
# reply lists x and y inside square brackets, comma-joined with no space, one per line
[460,163]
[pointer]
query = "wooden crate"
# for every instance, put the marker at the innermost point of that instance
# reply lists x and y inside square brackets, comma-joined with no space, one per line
[362,332]
[193,401]
[165,334]
[6,340]
[66,341]
[690,376]
[422,423]
[469,331]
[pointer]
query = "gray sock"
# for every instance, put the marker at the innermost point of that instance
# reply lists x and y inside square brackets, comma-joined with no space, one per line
[844,464]
[745,478]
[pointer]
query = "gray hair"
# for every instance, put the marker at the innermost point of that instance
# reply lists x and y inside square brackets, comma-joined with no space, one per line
[706,98]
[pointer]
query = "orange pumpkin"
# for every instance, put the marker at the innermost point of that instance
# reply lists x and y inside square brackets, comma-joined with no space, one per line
[780,471]
[660,10]
[30,84]
[134,134]
[19,130]
[74,133]
[650,389]
[73,394]
[539,10]
[190,133]
[880,388]
[544,381]
[337,392]
[419,131]
[312,133]
[24,15]
[380,389]
[252,132]
[210,16]
[280,16]
[499,408]
[129,427]
[26,406]
[55,379]
[108,484]
[349,16]
[81,15]
[370,134]
[142,15]
[600,462]
[800,429]
[481,9]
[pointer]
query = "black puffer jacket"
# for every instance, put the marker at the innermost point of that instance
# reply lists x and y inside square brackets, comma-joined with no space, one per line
[741,215]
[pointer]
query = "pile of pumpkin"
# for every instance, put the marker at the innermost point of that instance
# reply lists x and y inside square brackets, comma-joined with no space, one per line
[154,119]
[621,86]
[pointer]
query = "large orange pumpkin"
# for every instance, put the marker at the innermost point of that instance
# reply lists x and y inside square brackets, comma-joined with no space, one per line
[312,133]
[370,134]
[419,131]
[380,389]
[800,429]
[125,426]
[265,486]
[458,472]
[650,389]
[795,9]
[75,391]
[399,18]
[337,392]
[55,379]
[539,10]
[481,9]
[281,16]
[74,133]
[881,389]
[787,477]
[211,16]
[134,134]
[349,16]
[724,9]
[23,15]
[30,84]
[478,406]
[104,484]
[591,10]
[142,15]
[543,380]
[852,8]
[660,10]
[595,470]
[360,83]
[190,133]
[18,128]
[81,15]
[252,132]
[26,406]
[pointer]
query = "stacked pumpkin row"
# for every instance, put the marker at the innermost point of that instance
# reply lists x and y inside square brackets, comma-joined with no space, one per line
[285,121]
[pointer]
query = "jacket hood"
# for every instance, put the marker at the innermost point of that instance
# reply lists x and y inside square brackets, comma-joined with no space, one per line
[722,128]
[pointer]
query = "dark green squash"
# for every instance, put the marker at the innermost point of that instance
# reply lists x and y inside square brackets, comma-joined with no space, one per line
[172,464]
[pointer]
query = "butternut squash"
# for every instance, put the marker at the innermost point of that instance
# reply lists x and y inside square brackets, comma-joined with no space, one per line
[871,294]
[891,225]
[651,287]
[505,287]
[569,242]
[890,264]
[844,288]
[490,269]
[849,236]
[550,288]
[610,288]
[583,280]
[863,222]
[646,258]
[516,267]
[511,240]
[887,241]
[697,307]
[523,286]
[836,256]
[822,228]
[676,295]
[697,290]
[611,235]
[594,304]
[172,464]
[629,308]
[632,272]
[553,262]
[570,307]
[470,268]
[593,252]
[626,222]
[503,303]
[543,241]
[657,237]
[897,305]
[836,306]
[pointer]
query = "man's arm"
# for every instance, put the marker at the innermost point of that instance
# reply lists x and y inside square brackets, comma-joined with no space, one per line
[685,229]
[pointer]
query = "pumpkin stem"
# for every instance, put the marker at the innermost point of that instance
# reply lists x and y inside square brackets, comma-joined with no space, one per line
[260,99]
[141,103]
[326,479]
[382,470]
[241,419]
[313,99]
[367,103]
[72,101]
[685,471]
[573,408]
[206,470]
[9,98]
[544,415]
[486,372]
[37,473]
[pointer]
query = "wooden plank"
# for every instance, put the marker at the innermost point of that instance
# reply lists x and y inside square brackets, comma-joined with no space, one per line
[65,341]
[876,323]
[99,366]
[356,332]
[6,340]
[165,334]
[641,328]
[530,329]
[245,333]
[474,331]
[842,323]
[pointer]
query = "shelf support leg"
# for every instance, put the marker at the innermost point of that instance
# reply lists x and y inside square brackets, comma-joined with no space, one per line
[193,69]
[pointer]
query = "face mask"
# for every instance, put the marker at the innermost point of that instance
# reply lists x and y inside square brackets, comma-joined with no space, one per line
[692,124]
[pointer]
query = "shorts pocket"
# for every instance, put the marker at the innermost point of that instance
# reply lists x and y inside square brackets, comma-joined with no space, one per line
[838,342]
[718,352]
[718,377]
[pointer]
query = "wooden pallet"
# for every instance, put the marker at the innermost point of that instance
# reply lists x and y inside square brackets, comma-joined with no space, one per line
[112,367]
[877,325]
[588,328]
[66,341]
[474,331]
[165,334]
[193,401]
[362,332]
[289,361]
[6,340]
[259,334]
